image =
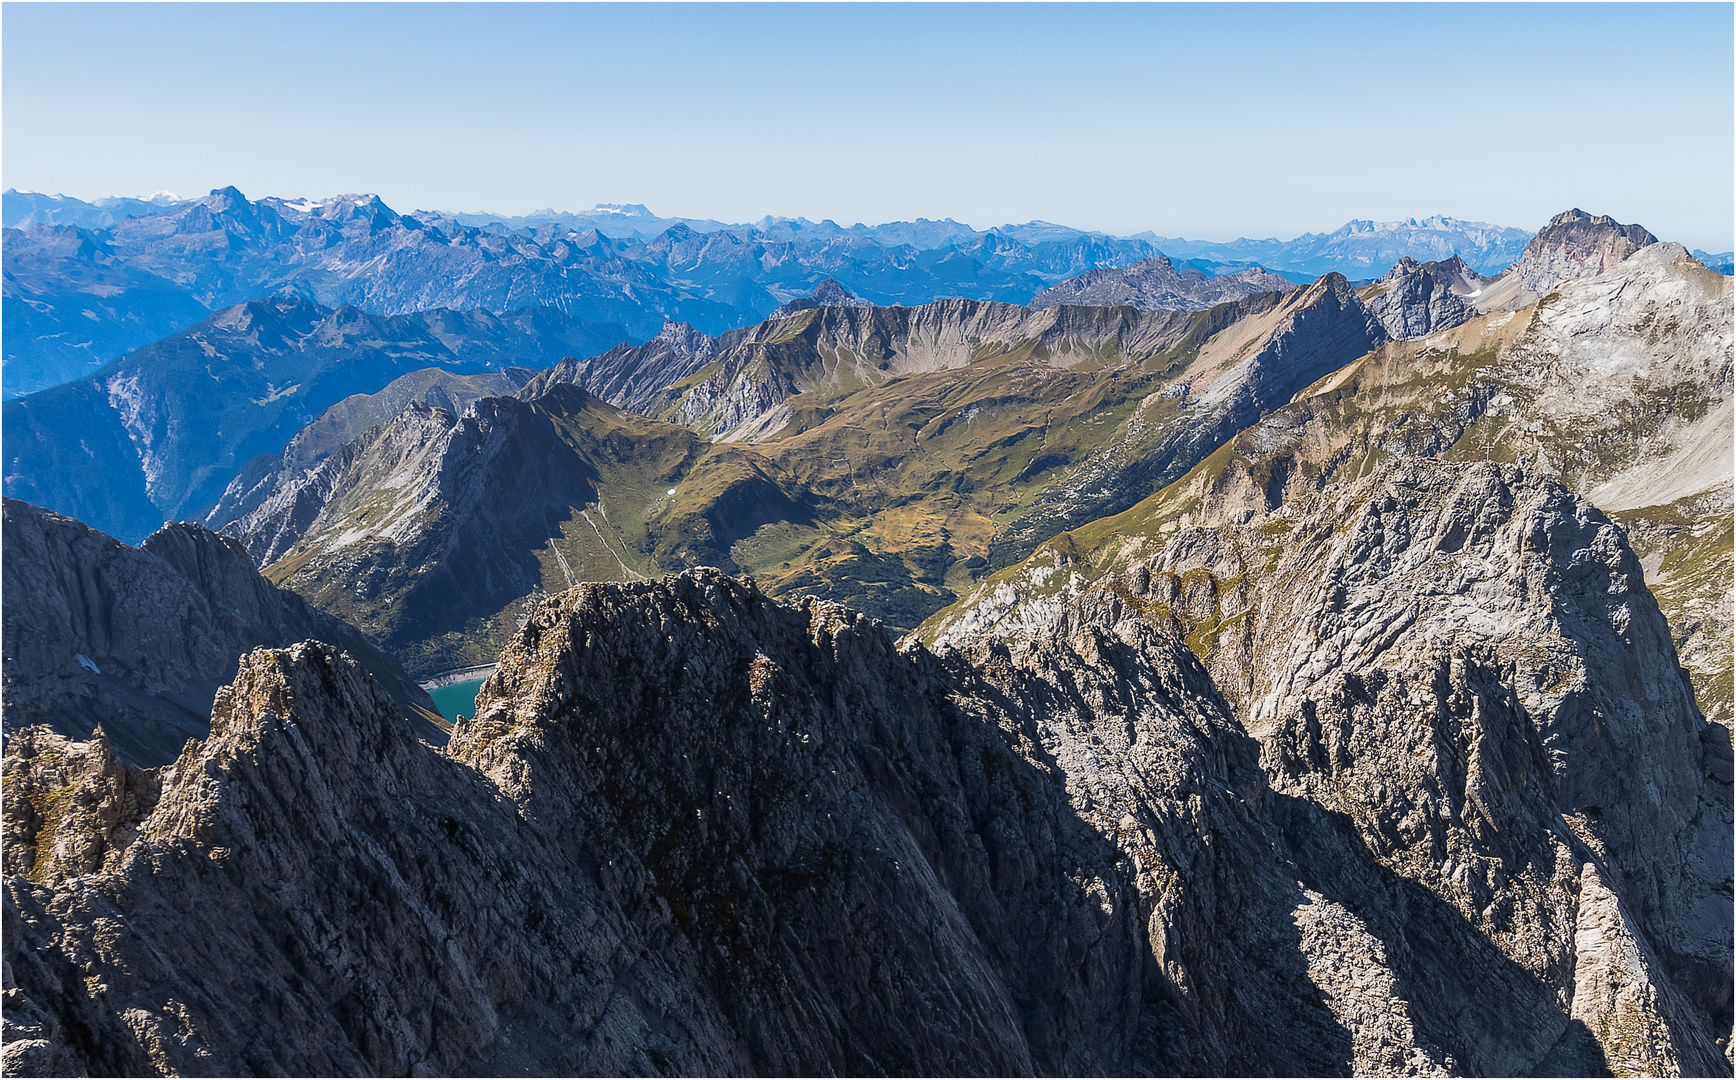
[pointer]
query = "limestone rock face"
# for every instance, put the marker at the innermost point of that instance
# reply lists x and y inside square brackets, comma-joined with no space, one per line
[1415,300]
[694,830]
[1469,668]
[1576,244]
[158,628]
[68,805]
[1468,703]
[1618,386]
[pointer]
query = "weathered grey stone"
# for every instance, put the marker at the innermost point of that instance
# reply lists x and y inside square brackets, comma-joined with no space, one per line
[159,628]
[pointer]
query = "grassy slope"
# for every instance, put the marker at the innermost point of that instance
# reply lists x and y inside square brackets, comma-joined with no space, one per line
[1445,397]
[1685,548]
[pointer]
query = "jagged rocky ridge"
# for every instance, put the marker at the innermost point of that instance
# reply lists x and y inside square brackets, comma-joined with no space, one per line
[632,376]
[1414,300]
[159,628]
[1618,384]
[1471,818]
[177,265]
[695,830]
[1154,284]
[938,415]
[176,260]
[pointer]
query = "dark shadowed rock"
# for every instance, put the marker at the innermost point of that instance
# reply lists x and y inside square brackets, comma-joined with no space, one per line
[139,639]
[691,830]
[1468,705]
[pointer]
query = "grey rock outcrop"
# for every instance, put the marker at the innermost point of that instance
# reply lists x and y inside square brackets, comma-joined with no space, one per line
[1479,829]
[631,376]
[1619,386]
[833,350]
[1414,300]
[1155,285]
[139,639]
[1457,677]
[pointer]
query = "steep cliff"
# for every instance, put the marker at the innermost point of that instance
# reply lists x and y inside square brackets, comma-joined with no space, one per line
[1414,300]
[139,639]
[1456,670]
[1575,244]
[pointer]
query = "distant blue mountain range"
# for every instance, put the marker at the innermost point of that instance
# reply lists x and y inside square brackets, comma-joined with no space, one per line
[86,282]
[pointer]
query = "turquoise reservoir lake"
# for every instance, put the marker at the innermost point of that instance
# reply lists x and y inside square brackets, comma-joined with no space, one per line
[455,698]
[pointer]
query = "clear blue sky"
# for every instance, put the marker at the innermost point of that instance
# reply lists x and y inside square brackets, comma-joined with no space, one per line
[1208,121]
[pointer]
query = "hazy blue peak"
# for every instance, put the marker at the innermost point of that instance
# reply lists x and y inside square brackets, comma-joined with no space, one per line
[22,209]
[1723,262]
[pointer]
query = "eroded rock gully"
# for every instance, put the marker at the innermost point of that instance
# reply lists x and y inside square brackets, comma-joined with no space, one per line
[692,829]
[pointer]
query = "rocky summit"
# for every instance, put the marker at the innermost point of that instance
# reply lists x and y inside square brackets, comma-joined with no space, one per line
[1155,285]
[1576,244]
[139,639]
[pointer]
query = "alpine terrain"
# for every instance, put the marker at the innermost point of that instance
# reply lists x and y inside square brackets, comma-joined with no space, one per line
[906,650]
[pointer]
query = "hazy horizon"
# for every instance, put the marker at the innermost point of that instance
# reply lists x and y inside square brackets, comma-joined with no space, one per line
[1209,122]
[582,211]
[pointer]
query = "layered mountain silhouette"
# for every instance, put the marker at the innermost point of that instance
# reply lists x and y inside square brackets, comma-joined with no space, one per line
[173,260]
[158,434]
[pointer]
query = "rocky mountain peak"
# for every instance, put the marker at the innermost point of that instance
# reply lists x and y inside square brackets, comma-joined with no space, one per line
[1576,244]
[678,233]
[738,806]
[225,199]
[1417,299]
[685,340]
[1154,285]
[829,292]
